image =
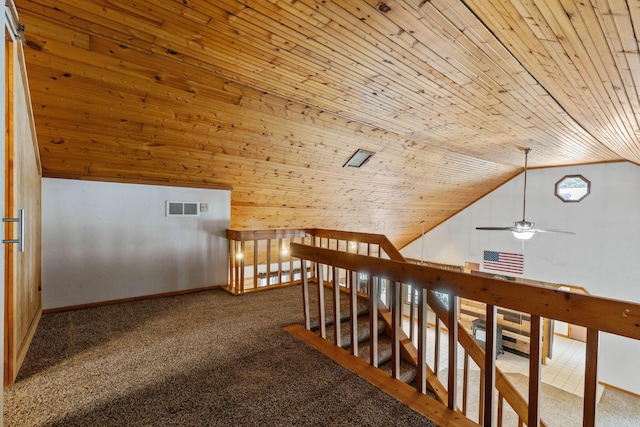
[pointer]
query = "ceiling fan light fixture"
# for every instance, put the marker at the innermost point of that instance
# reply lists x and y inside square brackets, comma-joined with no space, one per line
[523,235]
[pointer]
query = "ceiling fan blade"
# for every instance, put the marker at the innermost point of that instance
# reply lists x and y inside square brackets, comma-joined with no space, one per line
[518,229]
[551,230]
[497,228]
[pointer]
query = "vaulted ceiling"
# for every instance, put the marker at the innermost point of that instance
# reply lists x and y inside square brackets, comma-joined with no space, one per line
[270,98]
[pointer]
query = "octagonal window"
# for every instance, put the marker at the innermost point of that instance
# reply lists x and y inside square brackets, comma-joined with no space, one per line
[573,188]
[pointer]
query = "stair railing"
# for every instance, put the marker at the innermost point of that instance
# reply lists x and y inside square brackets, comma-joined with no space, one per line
[379,245]
[260,259]
[253,266]
[596,314]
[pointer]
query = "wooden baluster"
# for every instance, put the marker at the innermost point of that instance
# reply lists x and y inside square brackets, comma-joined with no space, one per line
[328,267]
[501,409]
[465,381]
[490,363]
[322,318]
[545,340]
[235,280]
[389,287]
[590,379]
[421,380]
[268,262]
[353,306]
[535,350]
[292,273]
[231,265]
[412,309]
[336,307]
[481,396]
[312,271]
[305,296]
[436,354]
[255,264]
[452,387]
[373,320]
[243,252]
[290,261]
[396,325]
[239,268]
[280,250]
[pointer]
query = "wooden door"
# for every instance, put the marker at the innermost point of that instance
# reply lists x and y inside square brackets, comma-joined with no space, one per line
[3,113]
[22,180]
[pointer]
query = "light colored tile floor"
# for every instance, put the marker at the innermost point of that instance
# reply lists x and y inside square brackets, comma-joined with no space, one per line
[565,370]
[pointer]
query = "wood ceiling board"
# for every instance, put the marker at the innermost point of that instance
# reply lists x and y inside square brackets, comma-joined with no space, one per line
[468,136]
[569,57]
[271,98]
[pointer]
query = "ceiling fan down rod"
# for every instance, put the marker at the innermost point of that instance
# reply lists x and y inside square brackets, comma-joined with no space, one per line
[524,195]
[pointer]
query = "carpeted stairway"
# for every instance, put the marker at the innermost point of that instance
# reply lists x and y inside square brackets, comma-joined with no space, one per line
[407,370]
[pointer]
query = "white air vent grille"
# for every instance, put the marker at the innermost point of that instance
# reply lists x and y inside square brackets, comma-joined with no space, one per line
[182,208]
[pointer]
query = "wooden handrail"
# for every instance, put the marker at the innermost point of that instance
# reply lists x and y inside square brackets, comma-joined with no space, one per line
[595,313]
[280,233]
[603,314]
[352,236]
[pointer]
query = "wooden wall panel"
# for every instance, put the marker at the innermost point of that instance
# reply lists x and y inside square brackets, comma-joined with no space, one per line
[23,297]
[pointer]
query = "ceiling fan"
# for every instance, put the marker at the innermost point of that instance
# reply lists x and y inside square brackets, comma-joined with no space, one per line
[524,229]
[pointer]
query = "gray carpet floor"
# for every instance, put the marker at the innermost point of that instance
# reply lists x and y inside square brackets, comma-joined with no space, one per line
[203,359]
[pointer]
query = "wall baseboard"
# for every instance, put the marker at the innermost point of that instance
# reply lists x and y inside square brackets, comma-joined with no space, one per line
[119,301]
[619,389]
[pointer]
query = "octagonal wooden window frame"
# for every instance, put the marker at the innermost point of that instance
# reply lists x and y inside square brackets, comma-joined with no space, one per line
[581,198]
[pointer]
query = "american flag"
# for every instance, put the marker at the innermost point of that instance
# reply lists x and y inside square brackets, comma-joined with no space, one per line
[503,261]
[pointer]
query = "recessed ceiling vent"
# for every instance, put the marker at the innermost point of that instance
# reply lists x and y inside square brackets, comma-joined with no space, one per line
[358,159]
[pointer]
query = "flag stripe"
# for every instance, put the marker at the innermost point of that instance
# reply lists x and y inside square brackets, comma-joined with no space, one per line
[503,261]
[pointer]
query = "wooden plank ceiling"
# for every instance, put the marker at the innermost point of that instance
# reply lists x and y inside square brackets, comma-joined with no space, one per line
[270,98]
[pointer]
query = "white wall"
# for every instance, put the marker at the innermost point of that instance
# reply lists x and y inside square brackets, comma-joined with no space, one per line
[602,257]
[108,241]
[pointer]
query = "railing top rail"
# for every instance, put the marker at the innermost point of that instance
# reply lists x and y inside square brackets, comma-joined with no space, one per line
[379,239]
[607,315]
[280,233]
[353,236]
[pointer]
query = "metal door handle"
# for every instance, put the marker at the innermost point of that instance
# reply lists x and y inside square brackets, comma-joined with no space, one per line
[20,221]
